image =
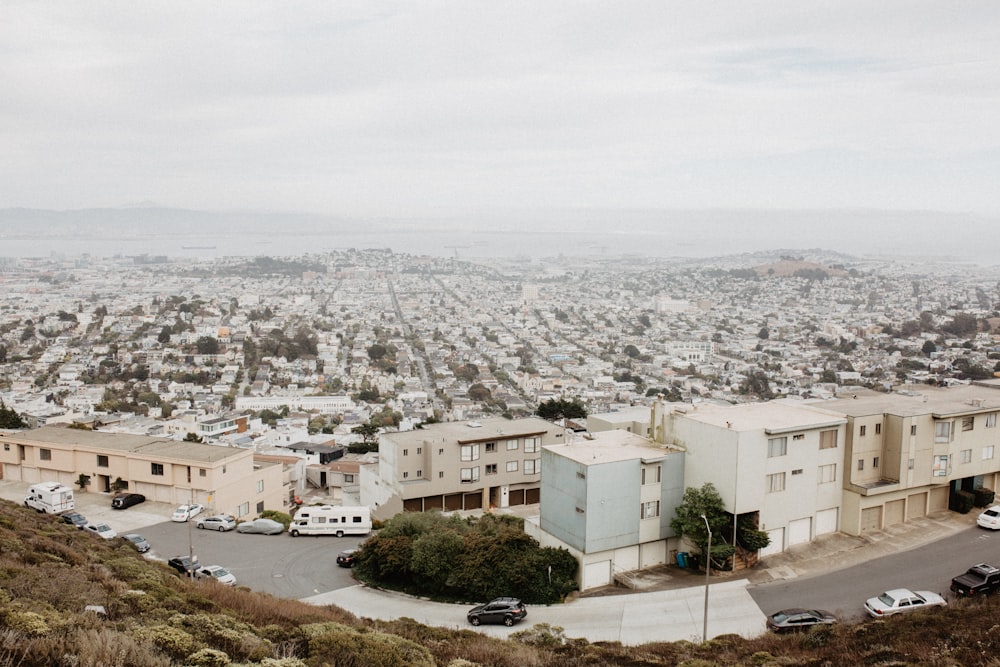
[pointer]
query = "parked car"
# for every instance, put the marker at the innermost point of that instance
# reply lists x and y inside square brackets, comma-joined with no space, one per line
[74,519]
[125,500]
[102,529]
[990,518]
[981,579]
[900,600]
[261,527]
[185,512]
[799,619]
[219,522]
[498,610]
[184,564]
[347,558]
[216,573]
[138,541]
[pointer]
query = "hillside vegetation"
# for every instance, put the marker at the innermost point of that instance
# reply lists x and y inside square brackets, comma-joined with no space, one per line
[50,572]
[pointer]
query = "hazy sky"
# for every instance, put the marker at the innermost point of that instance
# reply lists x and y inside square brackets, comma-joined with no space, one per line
[396,108]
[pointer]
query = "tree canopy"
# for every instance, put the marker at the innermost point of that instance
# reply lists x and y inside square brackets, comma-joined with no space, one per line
[9,418]
[560,408]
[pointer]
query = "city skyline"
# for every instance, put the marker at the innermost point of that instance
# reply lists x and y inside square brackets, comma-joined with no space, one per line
[408,111]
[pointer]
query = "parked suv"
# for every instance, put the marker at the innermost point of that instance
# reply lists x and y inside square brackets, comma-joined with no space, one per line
[499,610]
[184,565]
[123,500]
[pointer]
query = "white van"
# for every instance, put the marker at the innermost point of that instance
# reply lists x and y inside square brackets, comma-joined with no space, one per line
[50,497]
[331,520]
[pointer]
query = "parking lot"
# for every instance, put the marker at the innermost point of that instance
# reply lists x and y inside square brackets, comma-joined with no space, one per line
[277,564]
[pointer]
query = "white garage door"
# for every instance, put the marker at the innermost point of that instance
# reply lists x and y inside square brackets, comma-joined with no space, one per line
[597,574]
[777,544]
[800,531]
[826,521]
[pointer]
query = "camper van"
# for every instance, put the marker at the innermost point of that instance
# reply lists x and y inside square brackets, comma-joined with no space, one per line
[50,497]
[330,520]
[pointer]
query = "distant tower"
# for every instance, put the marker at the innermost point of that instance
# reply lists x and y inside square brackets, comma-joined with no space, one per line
[529,294]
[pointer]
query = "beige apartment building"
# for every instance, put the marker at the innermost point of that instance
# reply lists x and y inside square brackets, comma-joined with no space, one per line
[224,479]
[451,466]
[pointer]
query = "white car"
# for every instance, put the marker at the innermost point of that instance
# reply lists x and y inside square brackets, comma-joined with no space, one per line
[102,529]
[185,512]
[899,600]
[216,573]
[990,518]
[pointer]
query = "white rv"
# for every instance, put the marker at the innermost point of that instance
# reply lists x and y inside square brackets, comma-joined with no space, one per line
[330,520]
[50,497]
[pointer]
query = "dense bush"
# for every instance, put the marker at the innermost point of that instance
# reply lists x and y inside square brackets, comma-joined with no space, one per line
[427,553]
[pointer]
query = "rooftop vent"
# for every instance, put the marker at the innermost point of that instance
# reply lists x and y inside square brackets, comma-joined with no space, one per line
[474,425]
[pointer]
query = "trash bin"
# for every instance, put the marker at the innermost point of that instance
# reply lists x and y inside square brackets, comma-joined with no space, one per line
[694,562]
[682,559]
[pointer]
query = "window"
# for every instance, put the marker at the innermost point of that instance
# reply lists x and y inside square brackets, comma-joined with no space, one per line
[940,466]
[260,486]
[441,451]
[878,428]
[651,475]
[777,447]
[260,507]
[102,461]
[470,452]
[828,439]
[776,482]
[910,464]
[987,452]
[491,468]
[965,456]
[942,431]
[651,510]
[579,510]
[470,475]
[531,466]
[202,472]
[511,445]
[913,429]
[861,464]
[968,423]
[491,447]
[156,468]
[420,450]
[828,473]
[406,475]
[863,430]
[511,466]
[420,473]
[45,454]
[243,510]
[991,420]
[875,462]
[580,475]
[799,436]
[348,479]
[406,452]
[531,445]
[440,474]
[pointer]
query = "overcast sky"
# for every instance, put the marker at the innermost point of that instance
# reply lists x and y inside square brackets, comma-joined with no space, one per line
[399,108]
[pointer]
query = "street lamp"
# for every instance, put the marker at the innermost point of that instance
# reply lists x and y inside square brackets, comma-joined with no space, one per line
[708,571]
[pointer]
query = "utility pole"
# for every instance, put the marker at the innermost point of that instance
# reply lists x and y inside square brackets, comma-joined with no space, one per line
[708,571]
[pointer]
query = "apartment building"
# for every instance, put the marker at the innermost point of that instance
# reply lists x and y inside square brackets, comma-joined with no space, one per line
[224,479]
[780,463]
[907,453]
[450,466]
[608,499]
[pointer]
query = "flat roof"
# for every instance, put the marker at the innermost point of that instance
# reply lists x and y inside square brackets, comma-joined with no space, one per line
[610,447]
[478,430]
[770,416]
[149,446]
[916,400]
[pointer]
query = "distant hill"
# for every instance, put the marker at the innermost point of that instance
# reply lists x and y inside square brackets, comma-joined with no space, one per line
[788,266]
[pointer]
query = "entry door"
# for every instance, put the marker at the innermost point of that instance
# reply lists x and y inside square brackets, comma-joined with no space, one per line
[504,496]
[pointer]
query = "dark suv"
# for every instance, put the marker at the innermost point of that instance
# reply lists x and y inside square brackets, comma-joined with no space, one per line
[123,500]
[184,565]
[499,610]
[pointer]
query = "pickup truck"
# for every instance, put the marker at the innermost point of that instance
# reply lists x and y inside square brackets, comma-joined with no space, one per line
[980,579]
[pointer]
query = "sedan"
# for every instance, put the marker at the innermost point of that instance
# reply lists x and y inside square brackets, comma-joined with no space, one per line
[990,518]
[74,519]
[216,573]
[798,619]
[125,500]
[219,522]
[102,529]
[138,541]
[901,600]
[185,512]
[261,527]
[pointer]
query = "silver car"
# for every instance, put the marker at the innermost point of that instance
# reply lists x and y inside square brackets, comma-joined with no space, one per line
[219,522]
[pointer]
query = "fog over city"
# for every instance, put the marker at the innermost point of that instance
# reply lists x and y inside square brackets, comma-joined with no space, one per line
[477,129]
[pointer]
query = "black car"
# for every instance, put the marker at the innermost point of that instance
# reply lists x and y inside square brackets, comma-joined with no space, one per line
[347,557]
[499,610]
[798,619]
[123,500]
[184,565]
[74,519]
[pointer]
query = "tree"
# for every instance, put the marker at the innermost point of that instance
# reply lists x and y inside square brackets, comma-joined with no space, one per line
[479,392]
[164,336]
[376,351]
[688,521]
[763,334]
[207,345]
[928,347]
[191,436]
[554,409]
[369,439]
[632,351]
[9,418]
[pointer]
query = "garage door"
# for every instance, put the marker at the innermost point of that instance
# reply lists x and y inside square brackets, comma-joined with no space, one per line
[597,574]
[938,499]
[653,553]
[826,521]
[871,519]
[799,531]
[894,512]
[777,544]
[916,505]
